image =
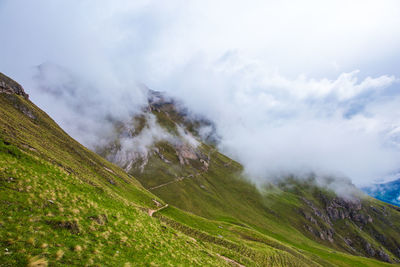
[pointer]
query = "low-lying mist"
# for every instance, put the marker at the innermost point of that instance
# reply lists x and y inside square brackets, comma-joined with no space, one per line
[344,126]
[271,130]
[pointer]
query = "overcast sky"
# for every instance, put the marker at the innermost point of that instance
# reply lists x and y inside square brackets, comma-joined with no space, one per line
[291,85]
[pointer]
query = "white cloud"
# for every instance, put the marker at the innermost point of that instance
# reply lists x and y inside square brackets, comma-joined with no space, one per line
[280,79]
[138,147]
[272,123]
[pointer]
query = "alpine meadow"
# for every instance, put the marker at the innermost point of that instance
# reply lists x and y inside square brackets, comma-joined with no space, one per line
[199,133]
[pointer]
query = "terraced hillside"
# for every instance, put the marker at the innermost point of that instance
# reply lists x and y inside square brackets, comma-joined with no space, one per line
[62,204]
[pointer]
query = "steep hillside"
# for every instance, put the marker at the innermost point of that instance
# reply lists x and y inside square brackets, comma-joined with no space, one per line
[62,204]
[195,177]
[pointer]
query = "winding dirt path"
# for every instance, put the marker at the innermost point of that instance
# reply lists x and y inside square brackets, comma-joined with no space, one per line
[161,185]
[179,179]
[151,212]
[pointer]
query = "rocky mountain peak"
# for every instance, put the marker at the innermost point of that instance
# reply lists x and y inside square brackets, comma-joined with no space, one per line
[9,86]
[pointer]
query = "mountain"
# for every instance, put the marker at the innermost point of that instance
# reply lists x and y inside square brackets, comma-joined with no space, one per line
[387,192]
[195,177]
[62,204]
[173,200]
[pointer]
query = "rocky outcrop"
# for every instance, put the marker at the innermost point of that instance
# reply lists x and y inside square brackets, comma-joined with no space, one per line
[383,255]
[375,252]
[160,155]
[205,164]
[327,215]
[369,250]
[12,88]
[186,152]
[340,208]
[317,212]
[322,230]
[9,86]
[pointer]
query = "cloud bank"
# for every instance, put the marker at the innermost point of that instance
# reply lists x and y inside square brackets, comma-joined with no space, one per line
[291,86]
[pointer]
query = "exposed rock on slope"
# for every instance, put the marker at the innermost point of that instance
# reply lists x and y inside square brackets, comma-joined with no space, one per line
[162,131]
[200,180]
[9,86]
[338,210]
[63,205]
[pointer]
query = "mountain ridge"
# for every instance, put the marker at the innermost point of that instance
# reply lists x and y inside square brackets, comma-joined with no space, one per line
[9,86]
[321,212]
[64,205]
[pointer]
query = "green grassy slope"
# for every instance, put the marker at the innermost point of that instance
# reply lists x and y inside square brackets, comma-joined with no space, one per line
[64,205]
[291,216]
[52,216]
[273,216]
[61,204]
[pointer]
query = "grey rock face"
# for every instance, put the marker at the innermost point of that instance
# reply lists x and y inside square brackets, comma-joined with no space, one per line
[383,255]
[9,86]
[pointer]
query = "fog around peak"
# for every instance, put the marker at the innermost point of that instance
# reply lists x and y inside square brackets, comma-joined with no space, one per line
[291,87]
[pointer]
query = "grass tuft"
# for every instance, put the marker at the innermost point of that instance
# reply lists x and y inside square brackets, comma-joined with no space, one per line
[37,261]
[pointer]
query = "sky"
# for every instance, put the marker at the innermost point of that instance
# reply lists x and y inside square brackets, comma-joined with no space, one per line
[292,86]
